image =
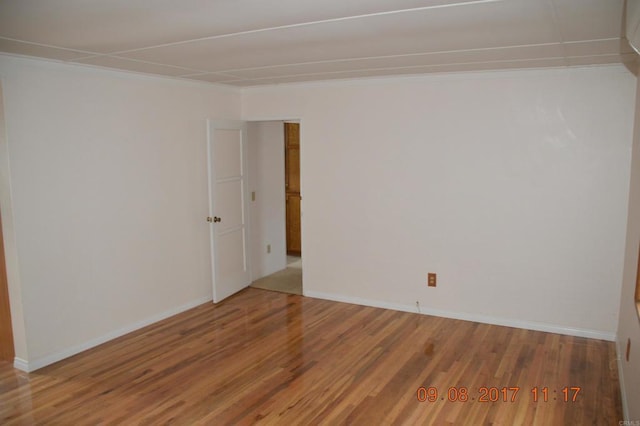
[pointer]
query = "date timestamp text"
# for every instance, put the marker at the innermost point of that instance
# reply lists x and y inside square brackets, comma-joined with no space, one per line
[497,394]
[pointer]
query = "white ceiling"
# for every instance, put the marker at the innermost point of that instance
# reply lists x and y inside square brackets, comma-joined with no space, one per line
[252,42]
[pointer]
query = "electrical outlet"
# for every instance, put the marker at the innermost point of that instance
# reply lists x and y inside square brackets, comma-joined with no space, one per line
[268,248]
[431,279]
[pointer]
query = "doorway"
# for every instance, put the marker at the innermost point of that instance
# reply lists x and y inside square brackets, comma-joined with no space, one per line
[275,207]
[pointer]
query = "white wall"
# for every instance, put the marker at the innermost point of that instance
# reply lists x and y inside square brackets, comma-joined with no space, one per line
[267,212]
[629,326]
[109,198]
[511,186]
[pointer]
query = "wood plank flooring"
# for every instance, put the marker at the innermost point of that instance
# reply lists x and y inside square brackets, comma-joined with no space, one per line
[264,357]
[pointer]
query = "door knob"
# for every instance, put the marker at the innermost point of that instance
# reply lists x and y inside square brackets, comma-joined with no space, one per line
[214,219]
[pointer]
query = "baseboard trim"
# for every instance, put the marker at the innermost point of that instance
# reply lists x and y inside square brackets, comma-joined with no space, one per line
[528,325]
[30,366]
[20,364]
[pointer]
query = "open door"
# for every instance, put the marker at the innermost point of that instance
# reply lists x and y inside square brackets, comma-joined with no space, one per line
[228,215]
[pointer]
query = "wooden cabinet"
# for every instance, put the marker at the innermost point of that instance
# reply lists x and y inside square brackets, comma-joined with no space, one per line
[292,187]
[293,225]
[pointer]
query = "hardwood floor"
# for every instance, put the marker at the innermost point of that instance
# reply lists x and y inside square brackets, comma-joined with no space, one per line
[271,358]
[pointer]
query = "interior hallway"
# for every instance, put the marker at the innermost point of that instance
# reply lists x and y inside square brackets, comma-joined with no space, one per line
[288,280]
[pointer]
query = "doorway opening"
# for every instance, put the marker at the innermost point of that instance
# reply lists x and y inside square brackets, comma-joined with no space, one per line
[275,205]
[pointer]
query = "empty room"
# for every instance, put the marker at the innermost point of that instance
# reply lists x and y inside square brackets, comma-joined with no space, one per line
[442,195]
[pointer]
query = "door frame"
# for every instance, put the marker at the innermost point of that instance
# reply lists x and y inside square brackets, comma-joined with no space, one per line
[7,335]
[213,123]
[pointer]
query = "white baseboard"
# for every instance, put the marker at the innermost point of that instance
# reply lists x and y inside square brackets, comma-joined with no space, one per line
[623,392]
[528,325]
[20,364]
[30,366]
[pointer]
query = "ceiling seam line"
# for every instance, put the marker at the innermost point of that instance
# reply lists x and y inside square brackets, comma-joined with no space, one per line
[407,55]
[50,46]
[77,60]
[302,24]
[420,66]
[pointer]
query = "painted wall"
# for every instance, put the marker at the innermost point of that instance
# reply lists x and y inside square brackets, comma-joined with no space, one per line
[109,196]
[267,212]
[629,327]
[511,186]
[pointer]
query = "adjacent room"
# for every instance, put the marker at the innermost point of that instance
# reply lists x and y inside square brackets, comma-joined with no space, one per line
[275,215]
[330,212]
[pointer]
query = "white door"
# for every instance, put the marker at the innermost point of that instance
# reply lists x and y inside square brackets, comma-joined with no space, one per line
[228,215]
